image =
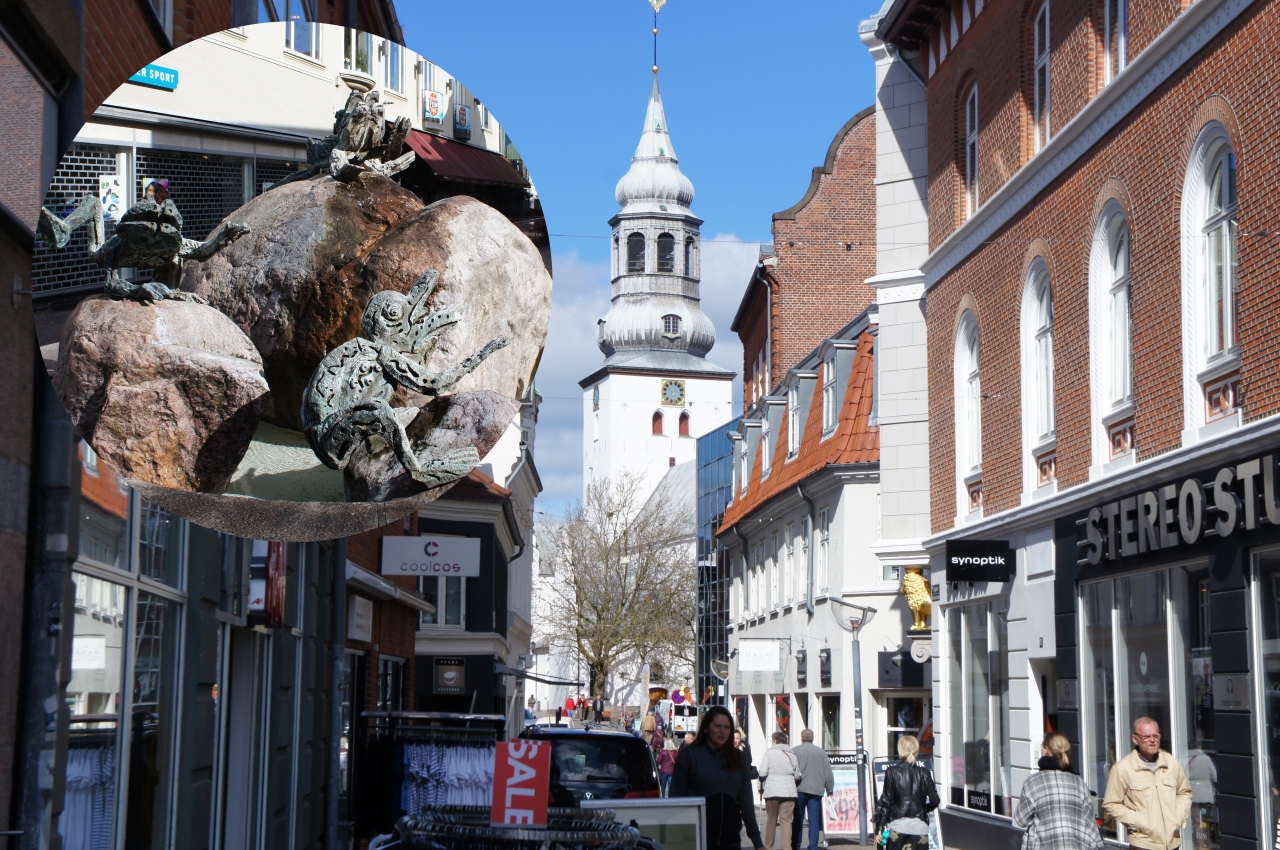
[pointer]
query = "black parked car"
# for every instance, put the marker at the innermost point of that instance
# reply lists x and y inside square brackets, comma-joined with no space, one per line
[592,764]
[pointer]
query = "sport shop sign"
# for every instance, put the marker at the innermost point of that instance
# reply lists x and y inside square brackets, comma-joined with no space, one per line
[431,556]
[1236,498]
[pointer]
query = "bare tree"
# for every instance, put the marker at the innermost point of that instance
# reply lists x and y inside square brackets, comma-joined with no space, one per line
[624,578]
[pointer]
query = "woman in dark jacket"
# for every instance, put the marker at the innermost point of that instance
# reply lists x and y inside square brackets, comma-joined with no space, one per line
[713,768]
[908,797]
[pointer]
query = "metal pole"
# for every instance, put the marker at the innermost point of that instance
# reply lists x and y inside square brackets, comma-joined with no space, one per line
[857,735]
[338,646]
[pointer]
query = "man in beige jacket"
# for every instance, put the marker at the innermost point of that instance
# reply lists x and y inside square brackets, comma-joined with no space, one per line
[1148,791]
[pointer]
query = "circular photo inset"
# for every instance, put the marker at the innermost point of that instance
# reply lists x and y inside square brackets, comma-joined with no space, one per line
[292,289]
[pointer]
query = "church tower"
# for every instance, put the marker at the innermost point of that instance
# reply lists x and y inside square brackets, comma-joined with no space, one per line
[655,392]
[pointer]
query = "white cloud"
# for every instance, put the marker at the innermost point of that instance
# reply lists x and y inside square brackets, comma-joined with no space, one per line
[580,299]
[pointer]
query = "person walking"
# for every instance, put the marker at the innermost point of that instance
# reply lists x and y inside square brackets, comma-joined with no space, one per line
[1152,808]
[598,708]
[667,765]
[909,795]
[559,714]
[570,706]
[712,767]
[816,781]
[1056,807]
[688,739]
[743,747]
[648,726]
[779,771]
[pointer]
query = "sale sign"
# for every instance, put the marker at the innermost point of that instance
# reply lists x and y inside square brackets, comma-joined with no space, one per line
[521,777]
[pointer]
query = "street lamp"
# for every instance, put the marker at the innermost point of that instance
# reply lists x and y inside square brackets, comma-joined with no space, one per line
[859,616]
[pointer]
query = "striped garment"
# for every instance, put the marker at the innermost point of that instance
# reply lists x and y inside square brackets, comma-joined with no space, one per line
[1057,812]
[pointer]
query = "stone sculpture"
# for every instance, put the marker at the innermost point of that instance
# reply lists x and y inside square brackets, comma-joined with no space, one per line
[915,587]
[359,143]
[148,236]
[346,407]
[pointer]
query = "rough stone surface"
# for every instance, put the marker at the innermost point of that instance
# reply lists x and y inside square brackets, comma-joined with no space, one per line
[167,393]
[295,284]
[320,250]
[455,421]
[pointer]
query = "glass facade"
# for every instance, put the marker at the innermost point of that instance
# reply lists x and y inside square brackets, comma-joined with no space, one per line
[980,754]
[1146,639]
[715,490]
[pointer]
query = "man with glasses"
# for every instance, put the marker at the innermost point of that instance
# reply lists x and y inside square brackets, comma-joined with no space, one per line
[1148,792]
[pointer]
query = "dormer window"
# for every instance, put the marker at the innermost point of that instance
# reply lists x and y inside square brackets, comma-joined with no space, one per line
[766,445]
[829,393]
[671,324]
[666,252]
[635,253]
[793,421]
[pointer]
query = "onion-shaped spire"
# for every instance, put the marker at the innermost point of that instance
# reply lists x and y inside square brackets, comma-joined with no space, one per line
[655,171]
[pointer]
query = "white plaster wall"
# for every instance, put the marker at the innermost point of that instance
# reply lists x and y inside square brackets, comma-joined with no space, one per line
[626,442]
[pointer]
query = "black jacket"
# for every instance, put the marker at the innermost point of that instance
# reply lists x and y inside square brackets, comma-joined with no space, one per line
[909,792]
[702,772]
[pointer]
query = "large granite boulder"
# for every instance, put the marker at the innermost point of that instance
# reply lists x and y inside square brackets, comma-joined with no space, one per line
[167,393]
[321,249]
[455,421]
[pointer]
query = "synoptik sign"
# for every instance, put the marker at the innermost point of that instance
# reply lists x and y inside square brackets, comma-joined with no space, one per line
[431,556]
[1236,498]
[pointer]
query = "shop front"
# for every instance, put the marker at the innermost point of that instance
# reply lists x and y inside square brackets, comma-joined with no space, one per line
[1166,599]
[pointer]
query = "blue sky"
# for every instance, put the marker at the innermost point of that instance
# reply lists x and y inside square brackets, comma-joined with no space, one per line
[754,93]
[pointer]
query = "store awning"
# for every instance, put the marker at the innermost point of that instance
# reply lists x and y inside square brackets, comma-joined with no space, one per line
[464,163]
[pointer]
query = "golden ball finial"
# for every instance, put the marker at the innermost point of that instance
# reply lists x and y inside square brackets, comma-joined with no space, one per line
[655,30]
[655,69]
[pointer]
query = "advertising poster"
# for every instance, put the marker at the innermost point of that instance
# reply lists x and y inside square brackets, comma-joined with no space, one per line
[111,193]
[433,106]
[840,810]
[155,189]
[462,122]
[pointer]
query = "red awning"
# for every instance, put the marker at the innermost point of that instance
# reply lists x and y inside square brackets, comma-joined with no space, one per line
[452,160]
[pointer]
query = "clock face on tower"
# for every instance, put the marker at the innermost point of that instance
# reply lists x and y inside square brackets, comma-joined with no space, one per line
[673,393]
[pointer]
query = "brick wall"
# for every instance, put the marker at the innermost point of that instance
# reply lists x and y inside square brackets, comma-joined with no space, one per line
[395,626]
[754,333]
[1147,155]
[825,250]
[1005,88]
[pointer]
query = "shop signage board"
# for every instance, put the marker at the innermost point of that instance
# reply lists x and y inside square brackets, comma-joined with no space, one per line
[841,810]
[360,619]
[156,77]
[88,652]
[979,560]
[758,655]
[521,782]
[433,108]
[431,556]
[451,676]
[462,123]
[1231,691]
[1235,498]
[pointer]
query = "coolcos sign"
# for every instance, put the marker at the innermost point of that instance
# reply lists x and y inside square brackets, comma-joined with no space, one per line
[1236,498]
[431,556]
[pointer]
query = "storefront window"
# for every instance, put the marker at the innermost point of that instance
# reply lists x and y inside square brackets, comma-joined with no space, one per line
[1146,641]
[390,684]
[831,723]
[159,544]
[782,714]
[104,532]
[906,716]
[1267,602]
[155,684]
[980,749]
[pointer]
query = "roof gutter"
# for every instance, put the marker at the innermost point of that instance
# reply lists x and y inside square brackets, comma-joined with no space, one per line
[808,550]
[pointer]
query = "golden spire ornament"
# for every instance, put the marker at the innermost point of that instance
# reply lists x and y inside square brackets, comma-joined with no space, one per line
[657,7]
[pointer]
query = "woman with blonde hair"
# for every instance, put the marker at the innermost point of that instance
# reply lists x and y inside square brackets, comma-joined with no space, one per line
[902,813]
[1056,808]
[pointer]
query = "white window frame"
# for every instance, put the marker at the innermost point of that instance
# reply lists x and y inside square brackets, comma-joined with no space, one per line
[829,394]
[971,152]
[766,445]
[351,51]
[998,719]
[290,37]
[461,625]
[1039,433]
[793,421]
[968,414]
[1211,372]
[1040,76]
[775,589]
[1116,46]
[1111,341]
[393,64]
[824,549]
[789,554]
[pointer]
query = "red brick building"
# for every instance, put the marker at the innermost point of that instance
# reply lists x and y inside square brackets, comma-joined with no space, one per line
[823,252]
[1102,385]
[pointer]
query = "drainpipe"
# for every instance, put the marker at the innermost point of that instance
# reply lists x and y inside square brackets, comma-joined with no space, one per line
[338,617]
[52,544]
[808,551]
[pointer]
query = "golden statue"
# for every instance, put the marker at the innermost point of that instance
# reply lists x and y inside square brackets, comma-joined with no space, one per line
[915,587]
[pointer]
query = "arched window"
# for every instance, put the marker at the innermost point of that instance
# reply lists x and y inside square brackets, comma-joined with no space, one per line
[671,324]
[1038,433]
[971,151]
[1119,345]
[1210,257]
[968,423]
[684,424]
[635,253]
[688,256]
[666,252]
[615,256]
[657,423]
[1111,367]
[1040,77]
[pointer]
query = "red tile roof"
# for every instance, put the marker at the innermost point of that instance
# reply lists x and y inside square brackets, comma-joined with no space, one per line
[855,440]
